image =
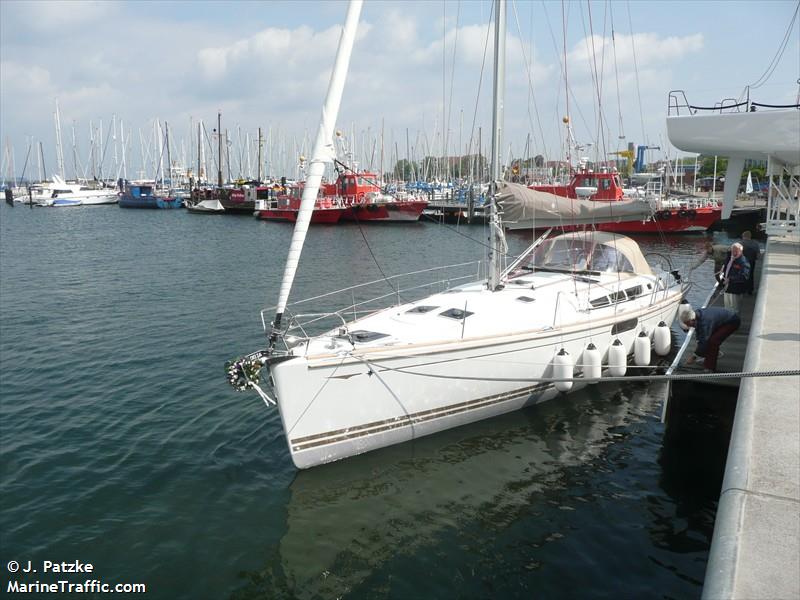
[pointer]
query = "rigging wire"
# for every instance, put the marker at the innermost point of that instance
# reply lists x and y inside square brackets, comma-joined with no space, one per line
[616,74]
[428,217]
[450,101]
[597,80]
[636,70]
[566,77]
[528,70]
[778,54]
[562,59]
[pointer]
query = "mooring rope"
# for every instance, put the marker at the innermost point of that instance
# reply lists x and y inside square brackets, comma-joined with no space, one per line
[629,378]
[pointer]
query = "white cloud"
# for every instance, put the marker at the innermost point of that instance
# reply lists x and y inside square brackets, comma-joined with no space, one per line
[643,50]
[270,65]
[270,52]
[48,16]
[20,78]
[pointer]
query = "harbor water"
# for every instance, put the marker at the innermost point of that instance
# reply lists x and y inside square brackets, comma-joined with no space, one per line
[123,446]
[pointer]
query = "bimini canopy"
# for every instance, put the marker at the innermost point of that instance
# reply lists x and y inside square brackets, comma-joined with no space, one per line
[523,207]
[596,251]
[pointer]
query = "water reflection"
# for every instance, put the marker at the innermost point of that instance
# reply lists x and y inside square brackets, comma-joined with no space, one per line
[352,526]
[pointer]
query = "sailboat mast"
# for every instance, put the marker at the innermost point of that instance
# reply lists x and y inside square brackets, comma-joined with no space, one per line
[219,148]
[199,150]
[59,146]
[495,241]
[258,177]
[323,152]
[169,160]
[124,159]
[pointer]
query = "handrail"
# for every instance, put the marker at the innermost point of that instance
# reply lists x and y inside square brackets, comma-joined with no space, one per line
[382,280]
[677,100]
[445,282]
[682,350]
[797,106]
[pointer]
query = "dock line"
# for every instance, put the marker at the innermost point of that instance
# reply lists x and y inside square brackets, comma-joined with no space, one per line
[628,378]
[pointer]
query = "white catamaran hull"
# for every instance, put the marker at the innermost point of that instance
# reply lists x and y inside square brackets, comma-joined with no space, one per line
[345,404]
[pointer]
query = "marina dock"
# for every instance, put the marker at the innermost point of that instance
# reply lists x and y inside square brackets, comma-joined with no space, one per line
[755,550]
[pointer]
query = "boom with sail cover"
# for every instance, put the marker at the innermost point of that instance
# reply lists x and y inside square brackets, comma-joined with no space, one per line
[524,207]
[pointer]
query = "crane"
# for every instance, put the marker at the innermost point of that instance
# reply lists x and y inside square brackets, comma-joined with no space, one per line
[638,166]
[627,154]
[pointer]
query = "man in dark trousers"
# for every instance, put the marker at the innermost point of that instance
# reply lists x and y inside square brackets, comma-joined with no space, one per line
[712,326]
[752,252]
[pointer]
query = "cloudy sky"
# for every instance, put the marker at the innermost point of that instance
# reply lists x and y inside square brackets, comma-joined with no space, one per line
[419,77]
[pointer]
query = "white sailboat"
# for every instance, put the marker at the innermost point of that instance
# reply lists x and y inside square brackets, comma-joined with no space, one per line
[542,326]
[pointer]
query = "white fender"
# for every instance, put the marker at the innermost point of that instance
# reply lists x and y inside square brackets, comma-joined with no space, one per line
[617,359]
[592,362]
[662,339]
[562,367]
[641,349]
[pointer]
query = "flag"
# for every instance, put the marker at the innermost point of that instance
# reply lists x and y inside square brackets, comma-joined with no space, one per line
[749,188]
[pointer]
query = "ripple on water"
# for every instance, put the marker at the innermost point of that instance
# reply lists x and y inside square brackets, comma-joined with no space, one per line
[122,444]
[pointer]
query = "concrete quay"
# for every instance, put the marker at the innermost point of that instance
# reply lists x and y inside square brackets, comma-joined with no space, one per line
[755,551]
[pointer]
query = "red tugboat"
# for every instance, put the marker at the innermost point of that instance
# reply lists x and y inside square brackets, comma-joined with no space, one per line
[352,197]
[282,203]
[670,216]
[365,201]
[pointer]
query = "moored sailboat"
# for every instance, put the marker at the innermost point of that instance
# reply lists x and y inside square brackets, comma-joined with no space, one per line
[528,332]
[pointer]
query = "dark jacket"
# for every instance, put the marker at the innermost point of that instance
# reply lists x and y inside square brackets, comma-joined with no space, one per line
[737,275]
[751,251]
[709,320]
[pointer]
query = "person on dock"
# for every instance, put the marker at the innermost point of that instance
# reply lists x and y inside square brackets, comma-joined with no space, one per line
[717,252]
[712,326]
[733,277]
[752,252]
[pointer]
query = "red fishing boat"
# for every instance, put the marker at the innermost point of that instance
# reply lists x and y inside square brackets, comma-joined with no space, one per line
[282,203]
[366,201]
[680,215]
[352,197]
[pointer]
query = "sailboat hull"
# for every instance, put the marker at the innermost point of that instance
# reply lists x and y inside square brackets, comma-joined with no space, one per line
[400,210]
[340,405]
[669,220]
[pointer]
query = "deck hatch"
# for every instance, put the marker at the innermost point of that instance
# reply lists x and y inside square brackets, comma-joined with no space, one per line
[456,313]
[421,310]
[362,336]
